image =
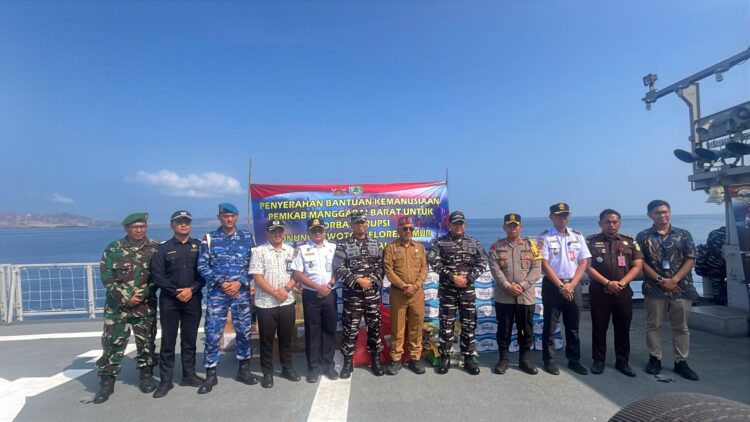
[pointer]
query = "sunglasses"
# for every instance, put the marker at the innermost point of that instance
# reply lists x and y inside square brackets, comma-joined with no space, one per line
[407,229]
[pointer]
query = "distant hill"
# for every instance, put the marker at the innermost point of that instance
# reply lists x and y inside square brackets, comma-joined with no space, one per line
[12,220]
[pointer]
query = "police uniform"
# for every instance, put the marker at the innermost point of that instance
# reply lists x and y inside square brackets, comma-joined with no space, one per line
[515,262]
[563,252]
[612,258]
[226,257]
[173,267]
[357,258]
[451,256]
[316,263]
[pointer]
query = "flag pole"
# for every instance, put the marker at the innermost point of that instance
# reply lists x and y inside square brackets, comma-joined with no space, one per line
[249,183]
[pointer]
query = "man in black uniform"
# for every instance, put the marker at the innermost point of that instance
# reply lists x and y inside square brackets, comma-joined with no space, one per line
[616,260]
[358,264]
[458,260]
[174,271]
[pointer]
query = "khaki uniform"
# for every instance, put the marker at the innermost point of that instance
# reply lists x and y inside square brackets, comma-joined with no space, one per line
[406,264]
[515,263]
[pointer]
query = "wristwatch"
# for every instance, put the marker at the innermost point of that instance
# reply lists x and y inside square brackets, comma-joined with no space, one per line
[659,279]
[288,289]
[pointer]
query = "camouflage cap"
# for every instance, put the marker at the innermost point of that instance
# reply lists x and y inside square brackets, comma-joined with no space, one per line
[135,217]
[358,217]
[559,208]
[512,218]
[228,208]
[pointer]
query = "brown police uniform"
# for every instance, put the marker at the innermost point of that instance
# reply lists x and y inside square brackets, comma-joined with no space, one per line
[406,264]
[612,258]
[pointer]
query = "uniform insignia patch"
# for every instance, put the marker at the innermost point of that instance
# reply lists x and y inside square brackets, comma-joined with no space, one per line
[599,259]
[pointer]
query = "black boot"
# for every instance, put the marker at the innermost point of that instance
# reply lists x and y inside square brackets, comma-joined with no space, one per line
[445,365]
[346,370]
[210,381]
[244,375]
[148,383]
[525,363]
[471,365]
[502,363]
[377,367]
[106,388]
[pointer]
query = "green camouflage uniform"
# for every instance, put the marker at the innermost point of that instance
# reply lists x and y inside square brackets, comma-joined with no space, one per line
[125,270]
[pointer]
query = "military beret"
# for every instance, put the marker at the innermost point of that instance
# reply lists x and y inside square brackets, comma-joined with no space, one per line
[135,217]
[457,216]
[358,217]
[229,208]
[512,218]
[559,208]
[314,222]
[274,224]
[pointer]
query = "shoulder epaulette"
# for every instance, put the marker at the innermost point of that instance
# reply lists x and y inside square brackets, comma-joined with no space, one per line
[576,231]
[544,232]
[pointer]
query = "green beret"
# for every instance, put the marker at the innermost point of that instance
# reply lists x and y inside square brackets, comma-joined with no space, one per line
[135,217]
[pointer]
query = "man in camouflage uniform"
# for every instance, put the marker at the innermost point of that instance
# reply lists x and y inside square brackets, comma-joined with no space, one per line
[358,264]
[130,302]
[224,261]
[458,260]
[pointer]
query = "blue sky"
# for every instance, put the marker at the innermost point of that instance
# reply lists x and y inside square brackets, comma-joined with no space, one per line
[107,108]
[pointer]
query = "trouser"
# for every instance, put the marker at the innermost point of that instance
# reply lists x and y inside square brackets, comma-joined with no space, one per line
[115,336]
[320,328]
[275,322]
[406,312]
[524,319]
[677,311]
[356,304]
[185,316]
[463,299]
[554,305]
[620,308]
[217,307]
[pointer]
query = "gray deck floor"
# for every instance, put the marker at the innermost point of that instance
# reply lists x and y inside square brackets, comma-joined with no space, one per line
[722,363]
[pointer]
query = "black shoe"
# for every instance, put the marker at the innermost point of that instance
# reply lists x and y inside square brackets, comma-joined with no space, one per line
[417,366]
[501,367]
[148,384]
[267,381]
[577,367]
[244,375]
[313,376]
[346,370]
[597,368]
[290,374]
[471,365]
[684,370]
[445,365]
[625,369]
[331,373]
[210,381]
[106,388]
[393,367]
[551,368]
[194,381]
[653,366]
[162,390]
[376,366]
[526,365]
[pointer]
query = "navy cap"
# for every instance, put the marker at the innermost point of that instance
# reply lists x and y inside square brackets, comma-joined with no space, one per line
[181,214]
[227,207]
[358,217]
[559,208]
[512,218]
[274,224]
[314,222]
[457,216]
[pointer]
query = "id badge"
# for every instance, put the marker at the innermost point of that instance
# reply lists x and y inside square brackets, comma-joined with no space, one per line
[665,264]
[620,261]
[572,255]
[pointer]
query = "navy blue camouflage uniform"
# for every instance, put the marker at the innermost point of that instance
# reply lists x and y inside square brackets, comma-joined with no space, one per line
[226,259]
[451,256]
[356,258]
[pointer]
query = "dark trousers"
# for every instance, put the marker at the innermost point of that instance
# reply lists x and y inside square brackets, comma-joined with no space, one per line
[275,322]
[320,328]
[524,318]
[554,305]
[174,314]
[620,308]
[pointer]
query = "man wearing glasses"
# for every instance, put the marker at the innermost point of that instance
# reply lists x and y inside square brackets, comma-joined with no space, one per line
[313,268]
[224,261]
[130,302]
[405,265]
[566,258]
[174,270]
[459,260]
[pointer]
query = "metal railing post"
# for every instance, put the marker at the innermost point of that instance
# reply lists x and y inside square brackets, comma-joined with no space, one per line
[12,296]
[90,290]
[4,293]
